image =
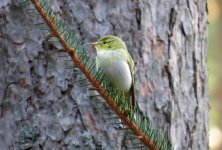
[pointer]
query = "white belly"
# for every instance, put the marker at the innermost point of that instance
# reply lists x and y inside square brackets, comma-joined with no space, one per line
[116,70]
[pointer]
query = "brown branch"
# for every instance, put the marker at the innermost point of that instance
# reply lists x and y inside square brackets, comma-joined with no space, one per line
[93,81]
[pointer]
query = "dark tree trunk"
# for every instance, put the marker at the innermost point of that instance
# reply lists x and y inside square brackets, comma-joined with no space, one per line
[166,38]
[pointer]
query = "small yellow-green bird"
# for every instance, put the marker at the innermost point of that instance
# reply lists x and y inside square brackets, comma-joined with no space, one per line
[117,64]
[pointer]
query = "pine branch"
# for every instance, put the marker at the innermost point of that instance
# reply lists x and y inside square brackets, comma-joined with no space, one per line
[131,117]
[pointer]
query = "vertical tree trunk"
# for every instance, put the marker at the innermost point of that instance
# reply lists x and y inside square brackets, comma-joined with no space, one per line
[168,41]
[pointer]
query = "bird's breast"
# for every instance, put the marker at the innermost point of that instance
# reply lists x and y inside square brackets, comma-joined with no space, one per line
[116,69]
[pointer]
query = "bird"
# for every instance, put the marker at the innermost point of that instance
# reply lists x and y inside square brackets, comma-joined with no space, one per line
[117,65]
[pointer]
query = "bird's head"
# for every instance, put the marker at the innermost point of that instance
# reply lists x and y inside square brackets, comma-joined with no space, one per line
[109,42]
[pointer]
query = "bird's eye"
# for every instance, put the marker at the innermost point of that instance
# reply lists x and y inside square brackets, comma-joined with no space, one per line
[104,42]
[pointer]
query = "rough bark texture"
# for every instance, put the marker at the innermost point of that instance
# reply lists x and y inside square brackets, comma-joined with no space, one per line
[168,41]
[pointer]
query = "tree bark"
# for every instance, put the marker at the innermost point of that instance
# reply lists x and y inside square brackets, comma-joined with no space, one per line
[168,42]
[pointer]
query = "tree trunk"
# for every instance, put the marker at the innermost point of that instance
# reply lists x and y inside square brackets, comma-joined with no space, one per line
[168,42]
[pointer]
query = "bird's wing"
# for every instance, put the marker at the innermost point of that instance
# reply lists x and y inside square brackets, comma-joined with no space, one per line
[132,89]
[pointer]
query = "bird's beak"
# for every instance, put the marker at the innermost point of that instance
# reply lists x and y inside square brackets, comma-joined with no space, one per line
[93,44]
